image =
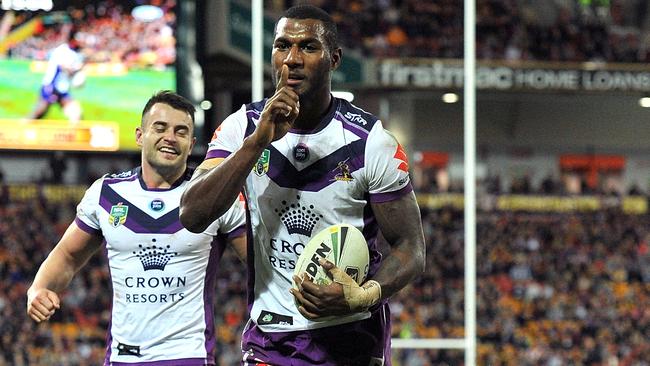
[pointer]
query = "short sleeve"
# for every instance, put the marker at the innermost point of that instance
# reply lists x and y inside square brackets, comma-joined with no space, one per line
[87,215]
[229,136]
[387,166]
[232,223]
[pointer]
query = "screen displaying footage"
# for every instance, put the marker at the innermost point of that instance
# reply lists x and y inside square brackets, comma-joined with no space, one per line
[77,77]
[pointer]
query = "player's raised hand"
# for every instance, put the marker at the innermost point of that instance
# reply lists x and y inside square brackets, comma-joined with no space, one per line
[280,111]
[42,303]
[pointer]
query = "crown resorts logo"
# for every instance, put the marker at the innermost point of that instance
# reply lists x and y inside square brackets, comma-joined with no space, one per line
[297,218]
[154,257]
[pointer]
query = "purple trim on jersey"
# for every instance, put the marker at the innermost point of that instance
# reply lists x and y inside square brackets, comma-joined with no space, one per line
[318,175]
[251,113]
[137,220]
[361,132]
[178,362]
[237,232]
[109,334]
[391,196]
[211,154]
[370,231]
[250,260]
[113,180]
[85,227]
[216,251]
[346,344]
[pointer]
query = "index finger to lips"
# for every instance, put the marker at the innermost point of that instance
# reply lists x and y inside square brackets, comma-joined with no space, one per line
[284,77]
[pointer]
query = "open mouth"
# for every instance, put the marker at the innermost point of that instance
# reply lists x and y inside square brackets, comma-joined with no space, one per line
[168,151]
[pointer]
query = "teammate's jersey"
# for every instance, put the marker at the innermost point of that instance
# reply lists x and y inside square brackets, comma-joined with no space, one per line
[61,61]
[162,275]
[303,183]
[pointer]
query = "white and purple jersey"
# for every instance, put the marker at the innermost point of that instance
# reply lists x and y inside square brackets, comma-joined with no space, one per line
[162,275]
[303,183]
[62,63]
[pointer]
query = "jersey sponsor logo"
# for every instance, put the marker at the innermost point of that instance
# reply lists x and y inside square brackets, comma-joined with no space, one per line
[262,165]
[298,218]
[266,317]
[157,205]
[354,117]
[343,171]
[128,350]
[301,152]
[122,175]
[282,252]
[400,155]
[118,214]
[154,257]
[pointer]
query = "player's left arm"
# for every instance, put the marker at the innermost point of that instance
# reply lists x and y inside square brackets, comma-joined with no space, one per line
[401,225]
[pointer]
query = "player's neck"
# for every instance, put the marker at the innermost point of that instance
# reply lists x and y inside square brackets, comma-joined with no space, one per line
[155,178]
[312,111]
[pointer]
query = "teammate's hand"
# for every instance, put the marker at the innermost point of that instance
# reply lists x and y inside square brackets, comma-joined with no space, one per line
[42,303]
[342,296]
[279,113]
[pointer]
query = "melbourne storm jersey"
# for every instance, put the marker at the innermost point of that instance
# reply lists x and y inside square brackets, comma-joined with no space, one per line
[162,275]
[303,183]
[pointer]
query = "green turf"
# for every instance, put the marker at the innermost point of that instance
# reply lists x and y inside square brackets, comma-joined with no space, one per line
[103,98]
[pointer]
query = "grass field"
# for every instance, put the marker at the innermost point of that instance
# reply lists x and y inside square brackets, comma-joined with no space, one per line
[103,98]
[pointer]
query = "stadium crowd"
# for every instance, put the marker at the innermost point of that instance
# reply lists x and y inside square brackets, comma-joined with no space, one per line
[553,289]
[105,32]
[562,30]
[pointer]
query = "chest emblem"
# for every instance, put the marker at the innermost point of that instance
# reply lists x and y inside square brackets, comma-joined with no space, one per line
[118,214]
[343,171]
[262,165]
[157,205]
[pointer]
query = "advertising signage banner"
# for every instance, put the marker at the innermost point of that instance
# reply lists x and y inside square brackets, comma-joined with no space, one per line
[434,73]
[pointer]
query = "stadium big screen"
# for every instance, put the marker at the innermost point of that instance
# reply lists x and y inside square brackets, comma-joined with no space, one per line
[75,75]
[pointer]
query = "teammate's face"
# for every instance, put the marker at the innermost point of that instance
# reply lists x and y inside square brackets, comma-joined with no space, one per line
[166,138]
[300,44]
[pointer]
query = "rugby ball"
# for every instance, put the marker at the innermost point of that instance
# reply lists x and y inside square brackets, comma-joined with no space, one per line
[341,244]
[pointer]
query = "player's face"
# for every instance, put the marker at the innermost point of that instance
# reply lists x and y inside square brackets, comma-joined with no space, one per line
[166,138]
[301,45]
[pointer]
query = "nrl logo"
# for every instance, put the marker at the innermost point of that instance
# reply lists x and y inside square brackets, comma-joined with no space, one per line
[262,165]
[118,214]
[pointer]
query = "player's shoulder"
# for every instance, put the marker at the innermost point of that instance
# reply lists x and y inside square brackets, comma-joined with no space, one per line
[356,116]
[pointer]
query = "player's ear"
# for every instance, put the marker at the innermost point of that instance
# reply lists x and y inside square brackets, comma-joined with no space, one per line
[138,136]
[335,58]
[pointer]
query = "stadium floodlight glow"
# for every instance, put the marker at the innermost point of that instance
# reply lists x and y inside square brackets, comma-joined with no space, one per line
[147,13]
[344,95]
[205,105]
[450,97]
[644,102]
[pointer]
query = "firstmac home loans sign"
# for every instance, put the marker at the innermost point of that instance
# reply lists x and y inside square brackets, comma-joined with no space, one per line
[434,73]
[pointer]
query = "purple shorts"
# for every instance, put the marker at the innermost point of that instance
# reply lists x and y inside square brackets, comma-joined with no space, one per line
[362,343]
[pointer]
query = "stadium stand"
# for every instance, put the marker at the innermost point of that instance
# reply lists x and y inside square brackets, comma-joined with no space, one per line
[558,288]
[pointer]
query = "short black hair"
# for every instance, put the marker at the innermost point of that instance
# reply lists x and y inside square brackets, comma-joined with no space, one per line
[306,11]
[173,100]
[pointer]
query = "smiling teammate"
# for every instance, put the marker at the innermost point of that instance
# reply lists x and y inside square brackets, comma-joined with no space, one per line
[162,275]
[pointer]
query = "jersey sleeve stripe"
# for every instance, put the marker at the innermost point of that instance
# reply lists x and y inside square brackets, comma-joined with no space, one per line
[211,154]
[391,196]
[85,227]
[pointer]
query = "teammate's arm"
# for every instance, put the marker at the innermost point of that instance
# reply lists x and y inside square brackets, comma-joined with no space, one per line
[70,254]
[217,182]
[400,223]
